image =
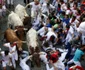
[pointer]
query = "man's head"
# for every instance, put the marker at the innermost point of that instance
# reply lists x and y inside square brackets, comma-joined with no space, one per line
[52,38]
[36,2]
[6,52]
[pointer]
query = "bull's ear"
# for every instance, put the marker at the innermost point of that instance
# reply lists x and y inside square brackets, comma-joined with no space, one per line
[15,30]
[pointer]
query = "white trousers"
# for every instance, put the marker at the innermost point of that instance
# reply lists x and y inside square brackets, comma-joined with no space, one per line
[23,64]
[75,62]
[10,2]
[14,57]
[48,68]
[4,63]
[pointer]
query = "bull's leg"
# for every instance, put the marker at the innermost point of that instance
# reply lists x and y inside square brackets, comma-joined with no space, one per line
[31,50]
[32,64]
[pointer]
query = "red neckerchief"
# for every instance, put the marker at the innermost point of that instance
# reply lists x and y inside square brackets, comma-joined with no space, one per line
[72,20]
[54,56]
[78,14]
[74,8]
[68,9]
[14,44]
[83,2]
[37,3]
[62,3]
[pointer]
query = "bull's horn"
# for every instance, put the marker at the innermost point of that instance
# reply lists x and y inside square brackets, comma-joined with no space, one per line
[29,56]
[25,29]
[27,6]
[24,41]
[8,10]
[15,30]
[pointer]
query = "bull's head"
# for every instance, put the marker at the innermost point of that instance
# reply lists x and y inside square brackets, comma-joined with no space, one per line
[27,22]
[19,45]
[20,31]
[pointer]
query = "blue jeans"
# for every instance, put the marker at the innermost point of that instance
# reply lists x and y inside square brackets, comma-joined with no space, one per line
[68,46]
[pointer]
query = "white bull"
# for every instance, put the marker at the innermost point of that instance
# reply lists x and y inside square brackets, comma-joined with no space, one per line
[32,39]
[21,11]
[14,20]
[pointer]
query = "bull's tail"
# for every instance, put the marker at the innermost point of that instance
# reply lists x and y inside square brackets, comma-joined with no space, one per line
[27,6]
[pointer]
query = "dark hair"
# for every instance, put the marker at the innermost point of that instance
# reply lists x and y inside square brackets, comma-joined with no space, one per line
[68,5]
[52,38]
[71,64]
[48,4]
[67,26]
[42,17]
[6,52]
[61,1]
[63,13]
[59,5]
[46,44]
[74,17]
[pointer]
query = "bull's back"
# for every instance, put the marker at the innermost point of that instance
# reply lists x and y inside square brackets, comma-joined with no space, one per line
[10,35]
[32,39]
[14,19]
[20,11]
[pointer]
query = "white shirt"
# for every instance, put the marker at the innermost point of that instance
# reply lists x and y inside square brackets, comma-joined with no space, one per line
[74,11]
[63,7]
[45,9]
[59,65]
[65,1]
[4,8]
[69,34]
[49,34]
[71,4]
[5,58]
[42,31]
[35,9]
[12,49]
[43,57]
[68,12]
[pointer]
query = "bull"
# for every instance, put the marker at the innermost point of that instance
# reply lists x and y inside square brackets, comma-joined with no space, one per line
[32,40]
[33,45]
[14,20]
[21,12]
[11,36]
